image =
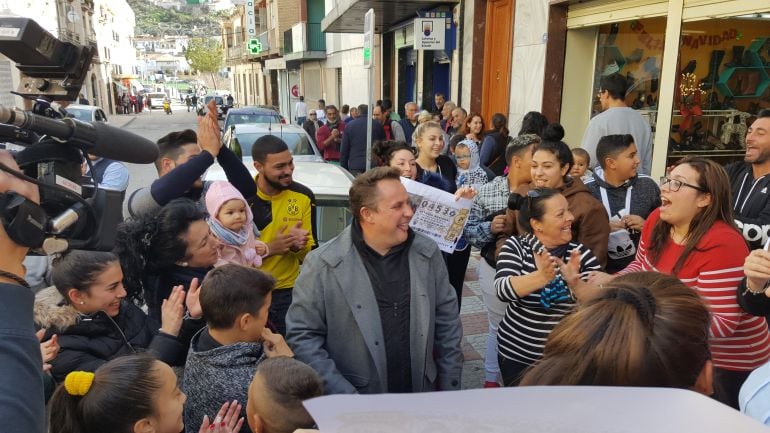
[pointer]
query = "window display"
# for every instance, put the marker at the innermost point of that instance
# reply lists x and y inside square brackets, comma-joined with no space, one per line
[633,49]
[723,80]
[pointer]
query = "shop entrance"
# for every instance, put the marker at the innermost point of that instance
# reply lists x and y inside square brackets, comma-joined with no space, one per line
[498,41]
[406,74]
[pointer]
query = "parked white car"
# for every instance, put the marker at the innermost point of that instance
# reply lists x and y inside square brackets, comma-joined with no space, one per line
[330,183]
[86,113]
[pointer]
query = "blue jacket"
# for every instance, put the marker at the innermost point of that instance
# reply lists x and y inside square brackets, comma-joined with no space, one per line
[353,148]
[22,409]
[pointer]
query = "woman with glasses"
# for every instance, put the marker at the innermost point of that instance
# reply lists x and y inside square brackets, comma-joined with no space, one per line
[552,161]
[532,273]
[692,236]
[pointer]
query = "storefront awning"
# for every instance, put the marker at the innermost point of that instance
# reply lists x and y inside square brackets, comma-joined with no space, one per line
[348,15]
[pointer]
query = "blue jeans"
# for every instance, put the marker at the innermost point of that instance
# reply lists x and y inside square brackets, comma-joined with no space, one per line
[301,120]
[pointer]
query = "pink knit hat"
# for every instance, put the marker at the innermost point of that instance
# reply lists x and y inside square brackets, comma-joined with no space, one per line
[221,192]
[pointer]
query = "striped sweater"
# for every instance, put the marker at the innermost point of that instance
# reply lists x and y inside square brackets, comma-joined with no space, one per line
[523,331]
[738,341]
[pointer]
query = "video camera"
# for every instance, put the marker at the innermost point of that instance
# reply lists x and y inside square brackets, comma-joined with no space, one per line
[73,211]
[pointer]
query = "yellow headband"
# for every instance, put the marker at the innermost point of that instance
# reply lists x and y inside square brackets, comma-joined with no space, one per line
[78,382]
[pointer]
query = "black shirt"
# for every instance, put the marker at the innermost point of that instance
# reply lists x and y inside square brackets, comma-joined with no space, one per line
[390,278]
[206,341]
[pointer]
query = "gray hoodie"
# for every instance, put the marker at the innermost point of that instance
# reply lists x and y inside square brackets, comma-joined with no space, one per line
[212,377]
[645,197]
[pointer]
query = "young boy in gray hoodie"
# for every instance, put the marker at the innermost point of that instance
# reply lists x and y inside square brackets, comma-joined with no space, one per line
[627,196]
[225,354]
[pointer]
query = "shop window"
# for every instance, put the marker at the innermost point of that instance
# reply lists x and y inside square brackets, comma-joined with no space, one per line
[633,49]
[722,81]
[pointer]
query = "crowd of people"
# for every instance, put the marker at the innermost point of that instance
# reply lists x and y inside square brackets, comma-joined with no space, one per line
[217,311]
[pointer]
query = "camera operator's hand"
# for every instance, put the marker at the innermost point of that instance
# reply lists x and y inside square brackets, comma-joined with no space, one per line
[12,183]
[13,253]
[208,131]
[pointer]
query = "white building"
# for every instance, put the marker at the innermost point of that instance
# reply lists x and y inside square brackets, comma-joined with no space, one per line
[114,23]
[47,17]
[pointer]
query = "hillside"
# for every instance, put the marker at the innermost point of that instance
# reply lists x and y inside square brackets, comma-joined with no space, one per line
[190,20]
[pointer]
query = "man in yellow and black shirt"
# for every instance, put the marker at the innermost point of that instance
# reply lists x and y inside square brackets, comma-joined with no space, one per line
[284,212]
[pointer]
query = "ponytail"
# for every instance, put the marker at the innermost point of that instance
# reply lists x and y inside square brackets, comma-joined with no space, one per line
[120,393]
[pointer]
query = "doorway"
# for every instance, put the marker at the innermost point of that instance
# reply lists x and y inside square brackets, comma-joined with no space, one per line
[498,43]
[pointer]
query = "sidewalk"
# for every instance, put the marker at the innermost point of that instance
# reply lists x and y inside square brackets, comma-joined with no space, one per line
[473,314]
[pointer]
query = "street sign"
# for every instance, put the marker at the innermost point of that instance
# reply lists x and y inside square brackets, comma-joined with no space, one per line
[251,22]
[429,33]
[254,46]
[368,38]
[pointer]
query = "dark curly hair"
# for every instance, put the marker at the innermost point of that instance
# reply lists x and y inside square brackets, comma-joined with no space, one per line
[151,243]
[384,150]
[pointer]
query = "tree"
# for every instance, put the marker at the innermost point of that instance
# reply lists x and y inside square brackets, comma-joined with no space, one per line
[205,55]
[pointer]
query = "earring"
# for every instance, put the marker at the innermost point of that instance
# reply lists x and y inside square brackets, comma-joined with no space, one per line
[82,302]
[183,264]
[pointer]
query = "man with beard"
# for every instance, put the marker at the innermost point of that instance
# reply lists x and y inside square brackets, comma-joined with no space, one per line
[374,311]
[184,157]
[284,212]
[750,183]
[329,137]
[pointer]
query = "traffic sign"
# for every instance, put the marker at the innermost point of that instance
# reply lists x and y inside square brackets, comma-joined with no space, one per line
[368,38]
[254,46]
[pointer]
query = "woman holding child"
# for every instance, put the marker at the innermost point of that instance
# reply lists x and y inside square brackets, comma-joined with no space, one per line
[164,249]
[692,236]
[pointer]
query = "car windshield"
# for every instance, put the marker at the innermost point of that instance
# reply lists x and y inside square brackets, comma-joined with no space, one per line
[219,100]
[298,142]
[238,118]
[79,114]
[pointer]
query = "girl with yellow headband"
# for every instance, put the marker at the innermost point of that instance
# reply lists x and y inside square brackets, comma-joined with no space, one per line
[130,394]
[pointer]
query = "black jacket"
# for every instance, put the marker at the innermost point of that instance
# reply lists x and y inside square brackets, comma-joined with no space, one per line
[89,341]
[157,287]
[751,203]
[353,147]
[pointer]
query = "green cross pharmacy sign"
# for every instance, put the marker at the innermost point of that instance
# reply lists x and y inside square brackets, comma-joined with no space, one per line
[254,46]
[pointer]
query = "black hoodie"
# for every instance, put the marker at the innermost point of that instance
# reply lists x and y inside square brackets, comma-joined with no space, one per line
[751,203]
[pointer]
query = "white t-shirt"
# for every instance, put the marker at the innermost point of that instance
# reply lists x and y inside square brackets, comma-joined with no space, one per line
[301,109]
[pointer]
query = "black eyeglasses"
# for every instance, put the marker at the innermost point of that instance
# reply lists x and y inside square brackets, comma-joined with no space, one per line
[674,185]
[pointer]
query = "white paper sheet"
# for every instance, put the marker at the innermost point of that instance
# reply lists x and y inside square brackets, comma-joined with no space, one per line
[436,214]
[537,409]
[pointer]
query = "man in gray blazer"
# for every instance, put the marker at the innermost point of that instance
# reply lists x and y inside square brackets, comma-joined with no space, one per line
[373,310]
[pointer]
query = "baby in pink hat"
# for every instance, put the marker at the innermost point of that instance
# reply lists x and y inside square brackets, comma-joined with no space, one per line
[232,222]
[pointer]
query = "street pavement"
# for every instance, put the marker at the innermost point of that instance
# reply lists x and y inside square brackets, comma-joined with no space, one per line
[154,125]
